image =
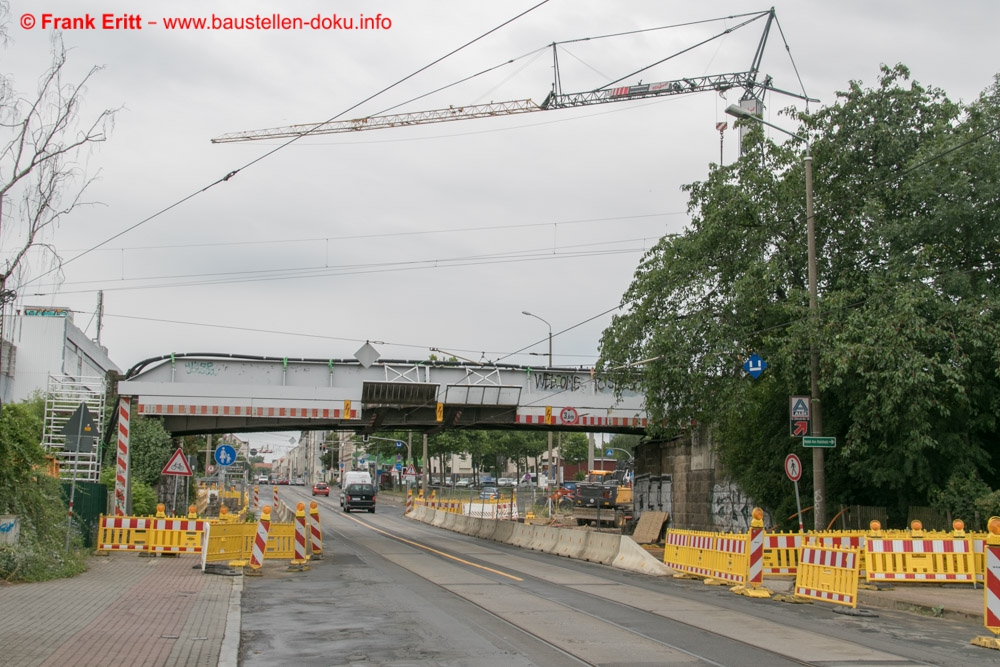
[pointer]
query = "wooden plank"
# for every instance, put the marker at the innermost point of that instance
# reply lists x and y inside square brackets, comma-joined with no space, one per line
[647,531]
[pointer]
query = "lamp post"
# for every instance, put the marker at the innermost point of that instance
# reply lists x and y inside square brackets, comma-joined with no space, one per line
[819,474]
[524,312]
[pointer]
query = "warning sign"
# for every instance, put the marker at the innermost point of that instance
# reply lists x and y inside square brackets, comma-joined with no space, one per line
[178,465]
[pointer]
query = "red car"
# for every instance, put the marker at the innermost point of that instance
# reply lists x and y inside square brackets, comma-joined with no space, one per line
[321,489]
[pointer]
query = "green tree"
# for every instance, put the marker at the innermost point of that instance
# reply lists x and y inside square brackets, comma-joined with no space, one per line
[150,448]
[906,184]
[28,492]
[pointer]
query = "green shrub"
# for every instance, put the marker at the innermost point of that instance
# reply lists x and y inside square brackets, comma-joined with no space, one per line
[36,499]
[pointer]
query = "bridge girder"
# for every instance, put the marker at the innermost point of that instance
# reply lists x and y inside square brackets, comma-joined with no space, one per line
[218,393]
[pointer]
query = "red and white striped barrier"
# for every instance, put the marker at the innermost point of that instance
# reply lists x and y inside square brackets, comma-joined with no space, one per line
[914,559]
[755,575]
[299,561]
[409,502]
[256,500]
[315,532]
[123,533]
[275,506]
[991,591]
[122,461]
[781,554]
[828,574]
[260,540]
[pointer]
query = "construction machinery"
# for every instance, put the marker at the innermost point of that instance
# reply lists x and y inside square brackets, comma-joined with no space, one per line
[613,91]
[605,497]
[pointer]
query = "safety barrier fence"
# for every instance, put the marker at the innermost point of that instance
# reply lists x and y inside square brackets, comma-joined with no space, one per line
[486,508]
[896,555]
[829,574]
[229,538]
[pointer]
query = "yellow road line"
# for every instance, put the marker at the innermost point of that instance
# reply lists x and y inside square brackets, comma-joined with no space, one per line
[427,548]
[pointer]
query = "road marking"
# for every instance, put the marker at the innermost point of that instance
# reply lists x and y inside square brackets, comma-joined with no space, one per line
[434,551]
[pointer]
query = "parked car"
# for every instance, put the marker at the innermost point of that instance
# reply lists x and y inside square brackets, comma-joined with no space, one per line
[359,497]
[282,481]
[321,489]
[489,493]
[463,483]
[505,481]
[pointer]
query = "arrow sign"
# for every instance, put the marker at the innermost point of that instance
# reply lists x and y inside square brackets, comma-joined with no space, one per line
[177,465]
[800,428]
[80,431]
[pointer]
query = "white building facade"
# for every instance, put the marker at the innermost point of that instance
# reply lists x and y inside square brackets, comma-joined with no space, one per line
[43,342]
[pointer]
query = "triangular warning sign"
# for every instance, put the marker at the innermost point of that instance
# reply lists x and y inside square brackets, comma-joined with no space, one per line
[410,470]
[178,465]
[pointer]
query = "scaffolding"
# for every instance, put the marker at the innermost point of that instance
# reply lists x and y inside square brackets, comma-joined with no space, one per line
[63,398]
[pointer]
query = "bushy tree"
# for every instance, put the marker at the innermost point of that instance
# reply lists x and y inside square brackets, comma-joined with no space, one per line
[906,185]
[28,492]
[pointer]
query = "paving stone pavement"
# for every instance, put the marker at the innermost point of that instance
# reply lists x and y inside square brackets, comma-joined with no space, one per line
[126,609]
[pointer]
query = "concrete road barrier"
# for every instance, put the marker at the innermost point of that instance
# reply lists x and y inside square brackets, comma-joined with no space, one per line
[571,543]
[634,558]
[602,547]
[605,548]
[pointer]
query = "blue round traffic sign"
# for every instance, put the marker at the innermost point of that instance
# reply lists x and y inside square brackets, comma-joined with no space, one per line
[225,455]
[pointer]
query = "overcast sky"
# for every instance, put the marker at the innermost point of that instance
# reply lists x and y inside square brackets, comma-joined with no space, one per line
[436,236]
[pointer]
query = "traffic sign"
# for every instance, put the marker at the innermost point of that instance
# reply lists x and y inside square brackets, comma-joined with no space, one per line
[817,441]
[399,444]
[800,428]
[225,455]
[800,416]
[568,416]
[754,366]
[177,465]
[253,452]
[80,431]
[793,467]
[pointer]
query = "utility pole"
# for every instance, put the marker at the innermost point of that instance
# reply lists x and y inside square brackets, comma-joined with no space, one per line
[100,315]
[423,469]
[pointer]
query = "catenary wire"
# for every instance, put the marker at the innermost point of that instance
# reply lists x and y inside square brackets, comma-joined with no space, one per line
[280,147]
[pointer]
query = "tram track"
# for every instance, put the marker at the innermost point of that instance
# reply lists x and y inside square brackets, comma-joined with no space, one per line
[616,617]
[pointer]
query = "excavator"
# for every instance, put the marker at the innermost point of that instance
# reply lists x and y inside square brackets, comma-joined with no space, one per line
[605,497]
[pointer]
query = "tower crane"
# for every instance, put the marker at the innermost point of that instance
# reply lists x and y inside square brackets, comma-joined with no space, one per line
[556,99]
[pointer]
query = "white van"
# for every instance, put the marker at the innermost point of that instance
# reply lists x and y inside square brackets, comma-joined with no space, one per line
[353,477]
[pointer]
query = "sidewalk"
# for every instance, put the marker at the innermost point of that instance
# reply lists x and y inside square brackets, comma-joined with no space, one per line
[125,610]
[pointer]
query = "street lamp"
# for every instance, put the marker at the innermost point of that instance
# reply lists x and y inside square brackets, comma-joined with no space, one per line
[524,312]
[819,474]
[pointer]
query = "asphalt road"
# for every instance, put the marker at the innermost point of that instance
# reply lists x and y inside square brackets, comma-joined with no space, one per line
[390,591]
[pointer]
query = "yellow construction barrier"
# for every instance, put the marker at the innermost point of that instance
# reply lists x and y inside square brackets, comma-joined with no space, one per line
[280,541]
[708,555]
[123,533]
[781,554]
[175,536]
[916,559]
[231,543]
[828,574]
